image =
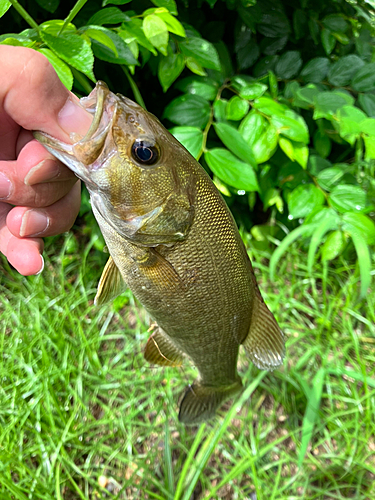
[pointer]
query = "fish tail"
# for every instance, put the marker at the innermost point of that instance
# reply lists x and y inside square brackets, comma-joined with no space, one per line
[201,401]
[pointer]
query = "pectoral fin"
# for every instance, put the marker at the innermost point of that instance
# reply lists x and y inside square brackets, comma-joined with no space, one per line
[201,401]
[161,351]
[110,285]
[157,268]
[265,341]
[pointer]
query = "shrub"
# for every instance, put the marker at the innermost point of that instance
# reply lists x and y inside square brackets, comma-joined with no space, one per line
[275,98]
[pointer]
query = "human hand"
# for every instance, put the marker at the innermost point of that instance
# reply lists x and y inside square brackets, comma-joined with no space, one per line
[39,196]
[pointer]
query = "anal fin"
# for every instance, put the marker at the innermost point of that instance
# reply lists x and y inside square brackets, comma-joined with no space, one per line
[201,401]
[161,351]
[265,341]
[110,285]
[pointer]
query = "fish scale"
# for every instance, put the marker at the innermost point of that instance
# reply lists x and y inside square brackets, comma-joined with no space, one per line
[173,241]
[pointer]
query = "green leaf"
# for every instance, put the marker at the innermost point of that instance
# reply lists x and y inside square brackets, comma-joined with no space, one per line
[311,413]
[115,2]
[327,104]
[333,246]
[111,15]
[237,108]
[330,177]
[63,71]
[170,68]
[250,90]
[370,147]
[367,103]
[364,79]
[322,143]
[101,35]
[317,164]
[191,110]
[304,199]
[190,137]
[203,86]
[260,135]
[202,51]
[368,126]
[4,7]
[296,151]
[220,107]
[364,261]
[124,54]
[49,5]
[156,32]
[274,24]
[316,70]
[194,66]
[335,22]
[168,4]
[247,55]
[289,64]
[328,41]
[354,221]
[350,119]
[173,25]
[342,71]
[234,141]
[134,28]
[231,170]
[348,198]
[16,41]
[292,126]
[270,107]
[274,88]
[73,49]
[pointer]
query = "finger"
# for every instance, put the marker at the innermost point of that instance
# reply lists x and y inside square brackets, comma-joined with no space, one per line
[23,254]
[33,96]
[25,222]
[36,179]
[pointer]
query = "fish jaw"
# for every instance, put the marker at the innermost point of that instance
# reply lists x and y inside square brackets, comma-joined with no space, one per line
[81,155]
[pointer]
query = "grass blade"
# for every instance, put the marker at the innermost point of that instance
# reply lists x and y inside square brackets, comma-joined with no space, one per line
[213,438]
[311,413]
[287,241]
[317,237]
[364,261]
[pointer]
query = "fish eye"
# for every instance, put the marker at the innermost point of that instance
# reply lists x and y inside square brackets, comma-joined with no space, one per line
[145,152]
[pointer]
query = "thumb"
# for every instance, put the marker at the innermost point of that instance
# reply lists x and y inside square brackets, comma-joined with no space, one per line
[32,95]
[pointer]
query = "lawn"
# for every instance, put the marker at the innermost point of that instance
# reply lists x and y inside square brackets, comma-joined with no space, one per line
[83,416]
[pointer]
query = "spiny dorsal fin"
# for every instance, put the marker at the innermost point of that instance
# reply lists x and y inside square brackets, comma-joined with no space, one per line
[201,401]
[161,351]
[265,341]
[110,285]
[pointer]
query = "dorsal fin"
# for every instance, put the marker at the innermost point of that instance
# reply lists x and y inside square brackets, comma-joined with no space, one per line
[110,285]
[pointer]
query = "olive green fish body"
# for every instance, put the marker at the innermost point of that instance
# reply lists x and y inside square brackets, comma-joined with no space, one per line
[174,243]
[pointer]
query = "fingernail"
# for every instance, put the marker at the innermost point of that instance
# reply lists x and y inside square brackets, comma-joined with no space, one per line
[33,223]
[45,171]
[41,269]
[5,186]
[73,118]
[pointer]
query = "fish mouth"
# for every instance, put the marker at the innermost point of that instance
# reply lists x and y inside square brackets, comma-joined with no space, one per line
[82,155]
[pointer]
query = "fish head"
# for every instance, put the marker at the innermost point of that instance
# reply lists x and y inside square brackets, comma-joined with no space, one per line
[129,162]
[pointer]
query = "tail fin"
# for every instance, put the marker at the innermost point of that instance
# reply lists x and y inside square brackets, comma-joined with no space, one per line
[201,401]
[265,341]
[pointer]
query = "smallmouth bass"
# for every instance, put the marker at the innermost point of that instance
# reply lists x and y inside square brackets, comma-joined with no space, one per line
[173,241]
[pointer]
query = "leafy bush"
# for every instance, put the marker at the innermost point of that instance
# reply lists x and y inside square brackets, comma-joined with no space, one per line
[275,98]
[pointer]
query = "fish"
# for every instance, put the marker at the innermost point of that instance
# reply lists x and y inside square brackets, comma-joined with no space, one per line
[173,241]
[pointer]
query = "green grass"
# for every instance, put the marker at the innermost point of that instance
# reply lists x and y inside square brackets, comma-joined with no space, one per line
[78,401]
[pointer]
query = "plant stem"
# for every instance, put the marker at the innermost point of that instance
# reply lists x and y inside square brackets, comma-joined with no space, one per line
[72,14]
[82,80]
[137,95]
[22,12]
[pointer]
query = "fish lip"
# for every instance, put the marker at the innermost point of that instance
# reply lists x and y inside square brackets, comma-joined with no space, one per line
[96,103]
[96,108]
